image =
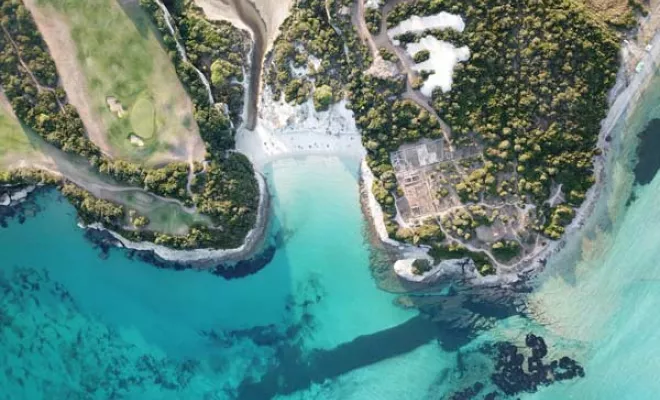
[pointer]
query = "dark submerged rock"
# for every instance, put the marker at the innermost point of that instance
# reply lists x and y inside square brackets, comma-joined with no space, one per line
[469,393]
[510,377]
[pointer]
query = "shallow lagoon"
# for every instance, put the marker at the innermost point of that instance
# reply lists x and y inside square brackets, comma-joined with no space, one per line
[74,325]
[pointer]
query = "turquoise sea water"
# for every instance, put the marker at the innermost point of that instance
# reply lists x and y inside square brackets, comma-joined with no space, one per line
[314,324]
[75,323]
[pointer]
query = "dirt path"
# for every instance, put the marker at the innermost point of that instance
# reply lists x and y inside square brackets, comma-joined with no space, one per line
[360,24]
[347,53]
[404,61]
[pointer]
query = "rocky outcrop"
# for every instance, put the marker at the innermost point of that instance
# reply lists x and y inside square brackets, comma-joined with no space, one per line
[12,195]
[463,266]
[511,378]
[16,202]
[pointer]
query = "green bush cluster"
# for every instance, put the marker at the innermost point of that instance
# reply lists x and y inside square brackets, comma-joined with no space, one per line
[227,190]
[372,17]
[533,92]
[309,32]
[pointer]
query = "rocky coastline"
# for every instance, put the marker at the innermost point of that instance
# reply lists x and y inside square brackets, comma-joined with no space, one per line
[16,202]
[627,90]
[104,241]
[253,245]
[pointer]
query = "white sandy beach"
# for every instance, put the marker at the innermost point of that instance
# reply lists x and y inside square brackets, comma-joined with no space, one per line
[285,131]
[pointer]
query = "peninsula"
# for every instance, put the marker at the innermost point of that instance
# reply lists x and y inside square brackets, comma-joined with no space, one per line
[479,133]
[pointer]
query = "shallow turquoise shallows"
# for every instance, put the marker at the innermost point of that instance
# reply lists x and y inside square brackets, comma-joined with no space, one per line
[124,327]
[313,324]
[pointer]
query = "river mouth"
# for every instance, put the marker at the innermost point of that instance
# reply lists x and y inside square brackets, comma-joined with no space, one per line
[248,13]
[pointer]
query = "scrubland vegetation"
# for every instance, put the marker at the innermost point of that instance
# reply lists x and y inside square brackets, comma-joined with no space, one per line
[532,95]
[226,190]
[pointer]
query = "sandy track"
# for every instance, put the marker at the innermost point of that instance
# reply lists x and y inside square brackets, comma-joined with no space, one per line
[62,48]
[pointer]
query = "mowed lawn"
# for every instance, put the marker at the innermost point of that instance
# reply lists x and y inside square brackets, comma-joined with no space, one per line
[121,57]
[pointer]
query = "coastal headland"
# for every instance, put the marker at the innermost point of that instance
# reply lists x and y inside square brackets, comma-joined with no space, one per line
[433,190]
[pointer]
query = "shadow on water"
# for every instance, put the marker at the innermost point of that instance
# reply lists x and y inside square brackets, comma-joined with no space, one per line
[648,162]
[296,371]
[451,321]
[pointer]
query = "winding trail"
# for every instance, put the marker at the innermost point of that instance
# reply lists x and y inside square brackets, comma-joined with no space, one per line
[34,79]
[404,61]
[182,51]
[338,31]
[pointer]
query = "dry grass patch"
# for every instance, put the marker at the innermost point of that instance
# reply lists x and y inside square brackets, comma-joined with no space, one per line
[119,56]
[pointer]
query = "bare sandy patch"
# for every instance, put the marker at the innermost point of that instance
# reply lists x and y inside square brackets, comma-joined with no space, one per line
[272,12]
[115,107]
[220,10]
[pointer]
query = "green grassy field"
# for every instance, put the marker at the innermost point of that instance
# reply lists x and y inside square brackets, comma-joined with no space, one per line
[163,217]
[14,141]
[122,58]
[142,117]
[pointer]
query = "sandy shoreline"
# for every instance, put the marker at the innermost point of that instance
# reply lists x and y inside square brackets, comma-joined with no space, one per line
[286,131]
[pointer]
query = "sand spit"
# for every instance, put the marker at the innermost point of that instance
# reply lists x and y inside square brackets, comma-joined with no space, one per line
[219,10]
